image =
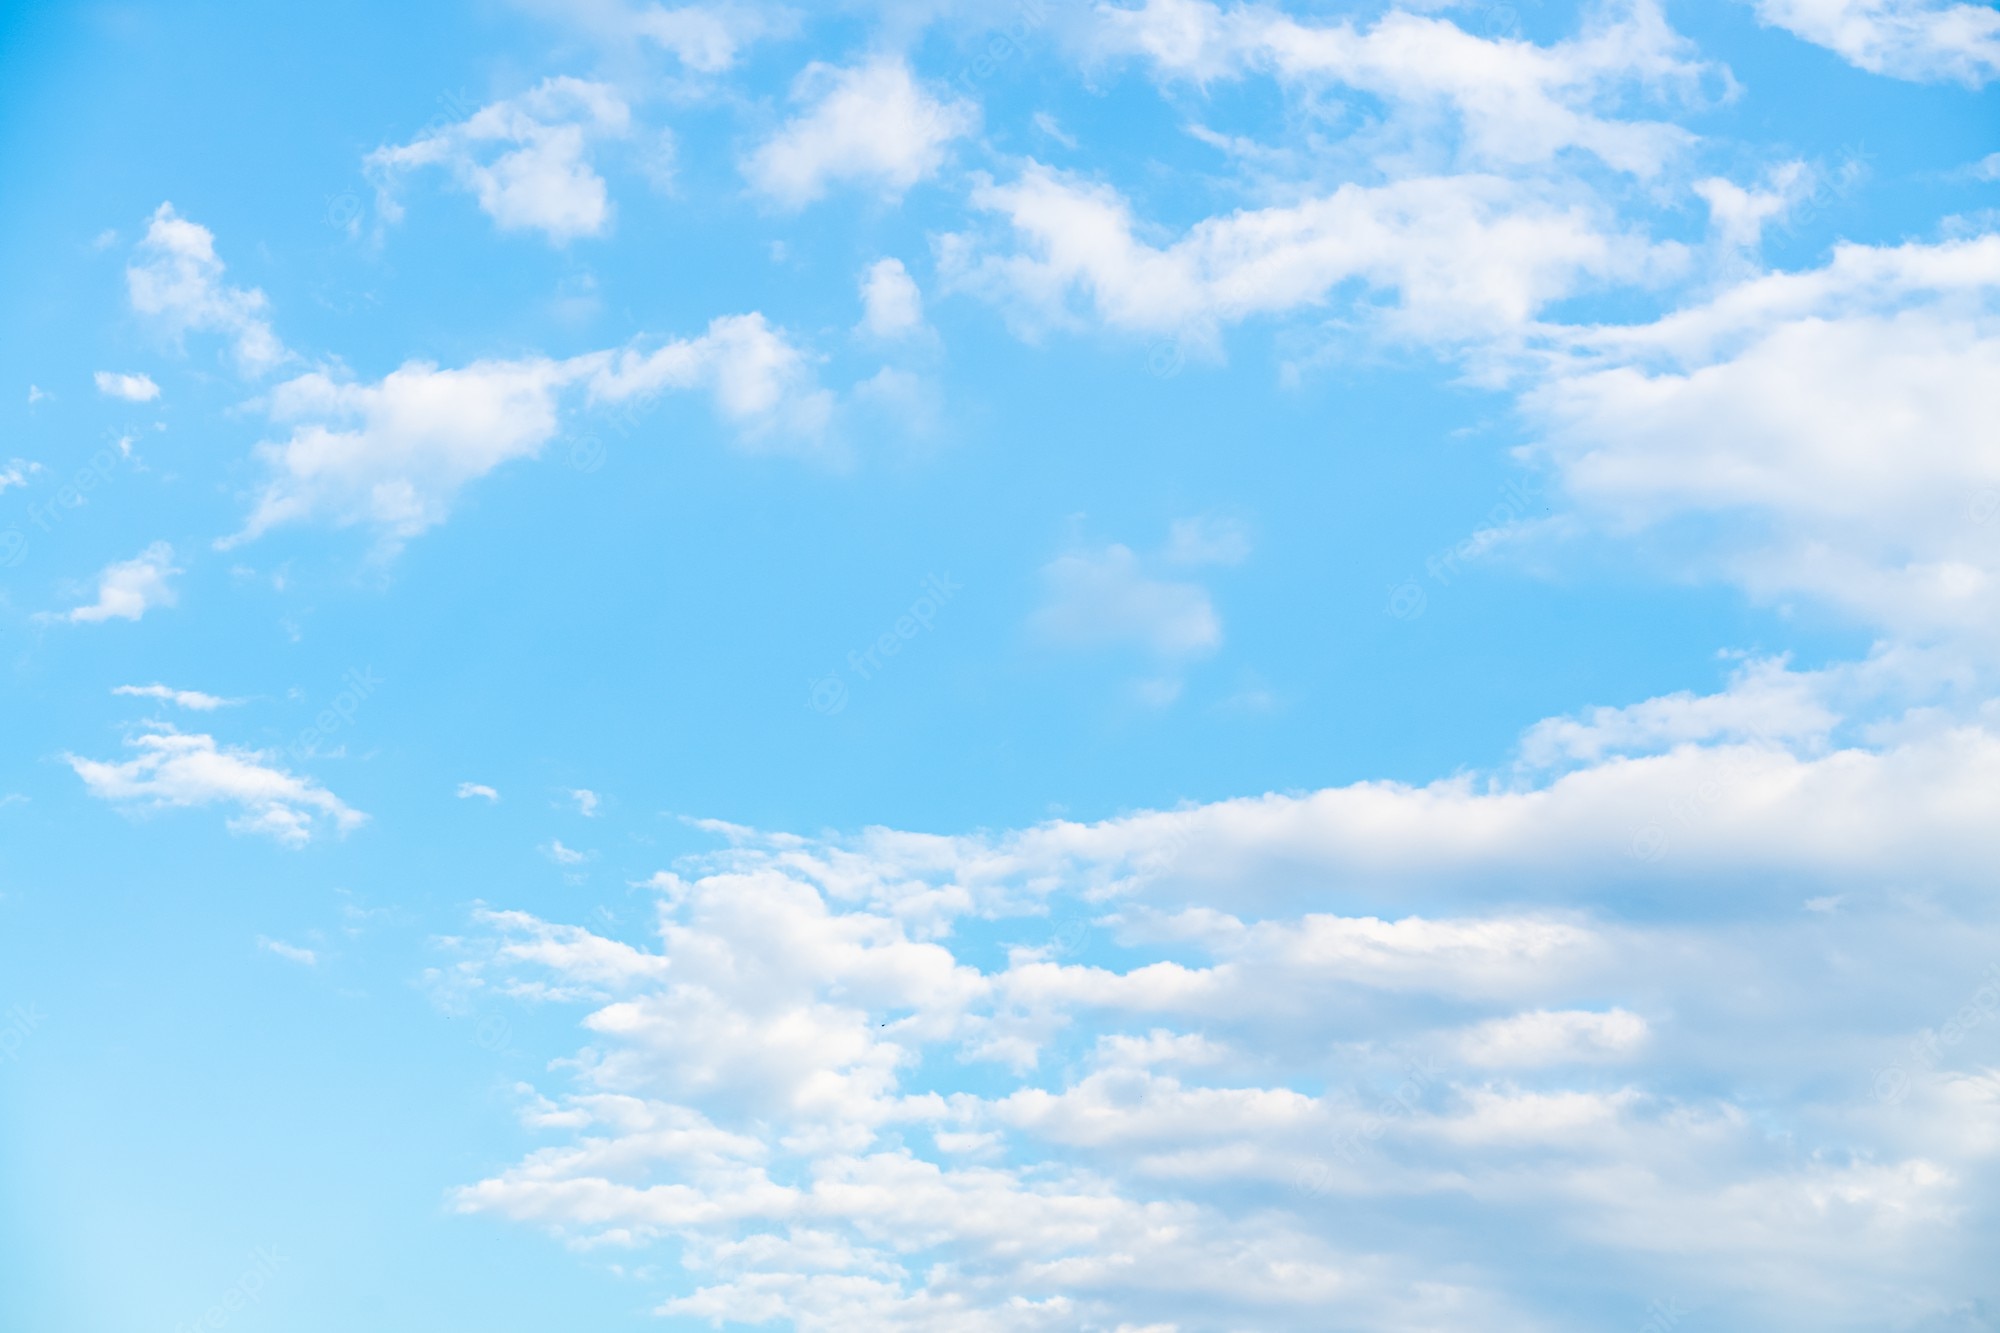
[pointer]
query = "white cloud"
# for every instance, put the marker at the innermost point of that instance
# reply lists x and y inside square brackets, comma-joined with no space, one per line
[1461,255]
[17,472]
[194,700]
[394,454]
[705,38]
[586,801]
[1738,215]
[1541,1038]
[1268,1110]
[871,125]
[132,388]
[173,769]
[761,382]
[1838,419]
[1103,597]
[397,452]
[1519,103]
[291,953]
[130,588]
[892,307]
[176,277]
[566,856]
[469,790]
[1931,40]
[526,158]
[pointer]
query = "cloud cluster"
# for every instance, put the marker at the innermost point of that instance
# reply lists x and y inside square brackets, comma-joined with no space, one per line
[1231,1099]
[394,454]
[1517,103]
[527,159]
[1450,257]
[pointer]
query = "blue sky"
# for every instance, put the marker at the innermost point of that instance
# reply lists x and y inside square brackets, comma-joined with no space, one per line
[1129,667]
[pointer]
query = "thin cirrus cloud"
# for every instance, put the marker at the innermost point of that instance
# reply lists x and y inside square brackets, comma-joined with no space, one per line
[526,159]
[176,279]
[872,126]
[127,589]
[193,700]
[172,769]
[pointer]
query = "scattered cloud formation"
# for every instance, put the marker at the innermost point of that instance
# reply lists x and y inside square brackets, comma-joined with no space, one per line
[469,790]
[176,279]
[1457,256]
[130,588]
[132,388]
[1222,1071]
[174,769]
[871,126]
[1517,103]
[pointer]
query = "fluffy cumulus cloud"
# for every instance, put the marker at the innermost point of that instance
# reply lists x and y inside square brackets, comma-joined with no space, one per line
[394,454]
[1838,418]
[1449,257]
[891,305]
[872,126]
[1180,1070]
[128,589]
[1517,103]
[526,159]
[173,769]
[1909,39]
[176,279]
[132,388]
